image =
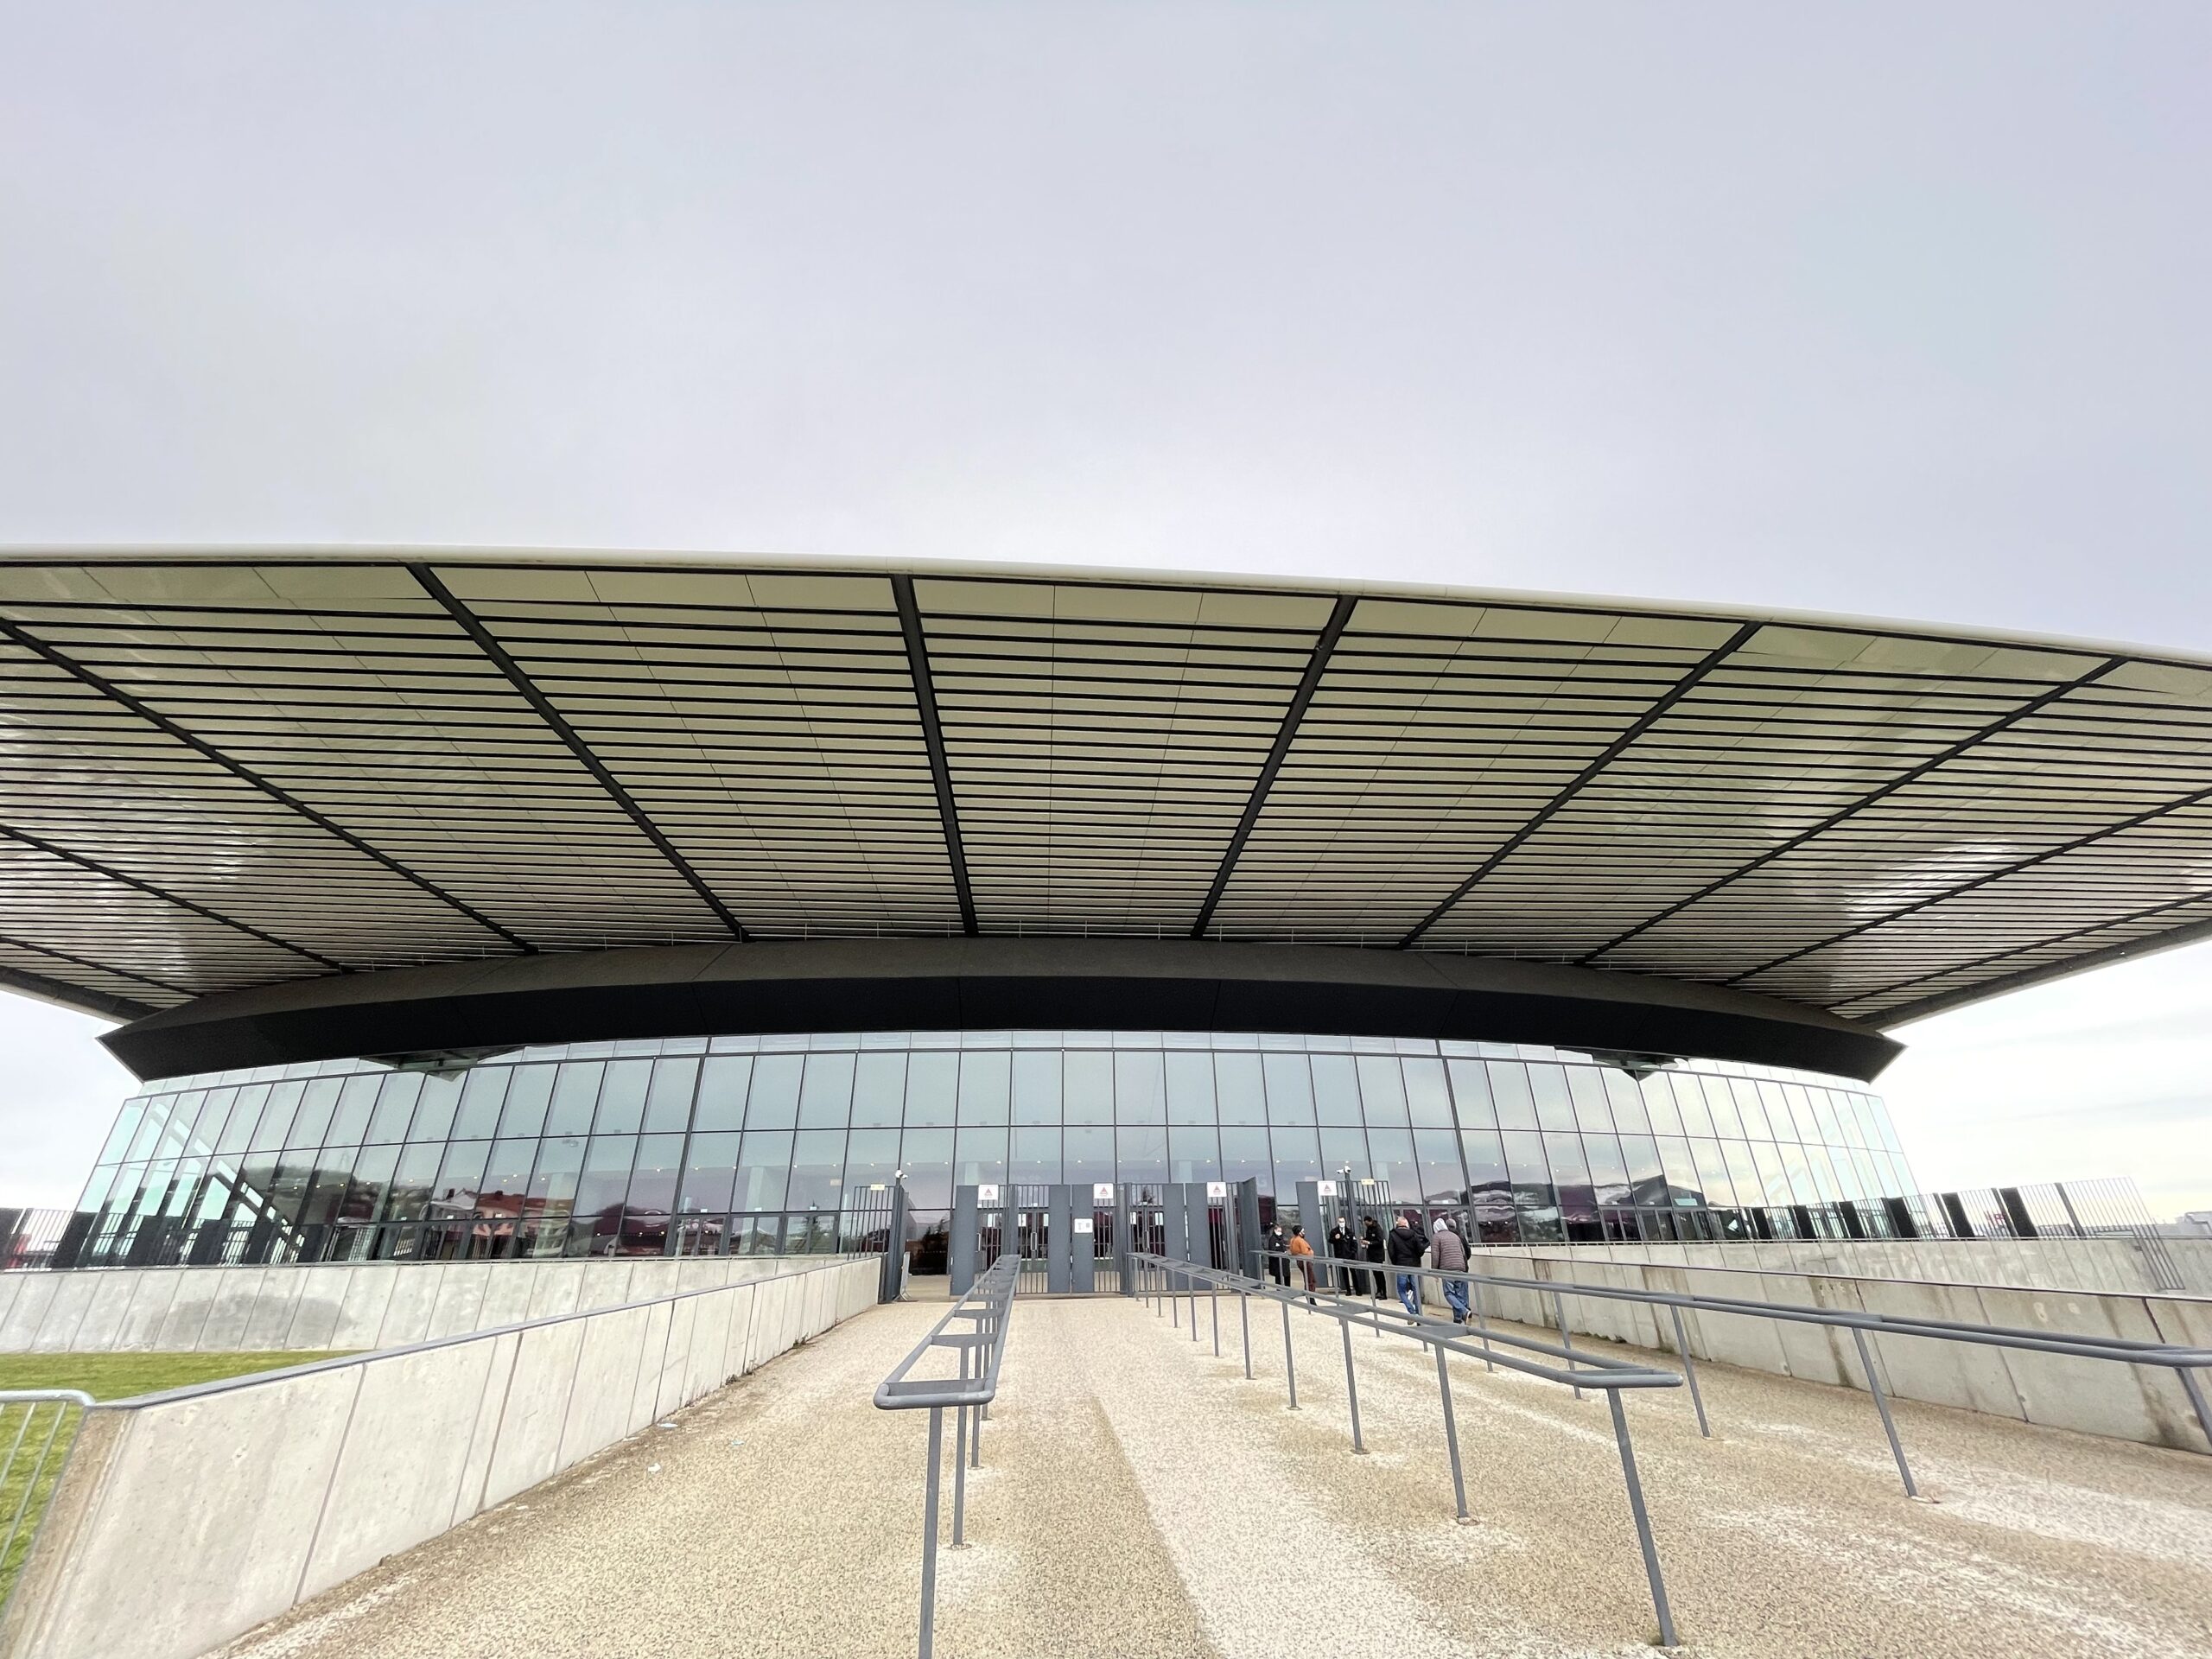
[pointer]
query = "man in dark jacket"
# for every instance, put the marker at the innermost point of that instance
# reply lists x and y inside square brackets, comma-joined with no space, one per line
[1278,1240]
[1345,1246]
[1371,1247]
[1407,1248]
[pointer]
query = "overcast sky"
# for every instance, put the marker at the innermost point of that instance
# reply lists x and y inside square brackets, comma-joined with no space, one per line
[1890,310]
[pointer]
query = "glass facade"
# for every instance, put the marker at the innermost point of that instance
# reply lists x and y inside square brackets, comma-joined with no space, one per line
[768,1144]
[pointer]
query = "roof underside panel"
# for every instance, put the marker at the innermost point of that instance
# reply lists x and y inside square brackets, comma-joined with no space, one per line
[220,772]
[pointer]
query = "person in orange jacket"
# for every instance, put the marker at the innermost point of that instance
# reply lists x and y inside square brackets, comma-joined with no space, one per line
[1304,1251]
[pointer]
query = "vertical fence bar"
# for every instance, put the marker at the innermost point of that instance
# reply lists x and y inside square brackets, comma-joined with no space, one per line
[1214,1301]
[1689,1373]
[1482,1324]
[1244,1317]
[1559,1312]
[1451,1432]
[1352,1385]
[1642,1522]
[1882,1404]
[2195,1390]
[929,1534]
[1289,1363]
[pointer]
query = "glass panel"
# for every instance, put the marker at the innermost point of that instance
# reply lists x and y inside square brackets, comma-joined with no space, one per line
[872,1158]
[724,1083]
[880,1091]
[270,1122]
[1240,1095]
[1773,1181]
[1344,1152]
[156,1117]
[1437,1153]
[1390,1158]
[1088,1152]
[933,1088]
[1509,1092]
[818,1169]
[926,1156]
[825,1097]
[1190,1089]
[1722,1105]
[1383,1090]
[366,1192]
[603,1185]
[1290,1096]
[709,1173]
[1193,1151]
[1750,1108]
[1485,1155]
[528,1095]
[652,1193]
[1682,1172]
[1608,1168]
[311,1126]
[482,1093]
[986,1087]
[1711,1172]
[1690,1098]
[1244,1154]
[1658,1092]
[773,1103]
[506,1179]
[1298,1153]
[1036,1155]
[459,1175]
[1140,1088]
[1587,1089]
[764,1169]
[1037,1092]
[622,1098]
[1142,1151]
[1090,1085]
[553,1183]
[434,1111]
[395,1107]
[980,1155]
[1426,1097]
[668,1102]
[1336,1088]
[576,1093]
[1554,1108]
[1471,1098]
[411,1181]
[1626,1101]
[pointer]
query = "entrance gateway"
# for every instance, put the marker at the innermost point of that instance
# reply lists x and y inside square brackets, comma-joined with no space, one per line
[1077,1238]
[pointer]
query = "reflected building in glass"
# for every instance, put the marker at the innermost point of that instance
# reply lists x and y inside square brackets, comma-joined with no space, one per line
[769,1144]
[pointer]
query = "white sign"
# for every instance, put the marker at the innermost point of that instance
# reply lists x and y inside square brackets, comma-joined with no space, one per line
[1103,1192]
[1083,1224]
[1328,1189]
[1216,1189]
[989,1195]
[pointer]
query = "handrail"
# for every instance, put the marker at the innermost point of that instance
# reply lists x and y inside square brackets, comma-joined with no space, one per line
[2183,1361]
[1160,1276]
[980,1348]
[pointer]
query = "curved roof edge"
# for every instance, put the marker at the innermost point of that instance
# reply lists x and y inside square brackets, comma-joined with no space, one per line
[947,984]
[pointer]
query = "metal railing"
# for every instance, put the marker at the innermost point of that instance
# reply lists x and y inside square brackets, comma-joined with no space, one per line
[2184,1362]
[33,1418]
[1167,1283]
[975,1331]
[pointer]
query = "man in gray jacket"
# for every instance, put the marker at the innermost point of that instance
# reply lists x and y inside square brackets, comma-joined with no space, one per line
[1449,1254]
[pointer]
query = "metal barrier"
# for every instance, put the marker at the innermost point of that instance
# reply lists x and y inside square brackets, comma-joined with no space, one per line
[27,1482]
[980,1345]
[2183,1362]
[1162,1279]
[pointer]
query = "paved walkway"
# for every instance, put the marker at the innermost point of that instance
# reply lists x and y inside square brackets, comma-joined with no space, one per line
[1140,1498]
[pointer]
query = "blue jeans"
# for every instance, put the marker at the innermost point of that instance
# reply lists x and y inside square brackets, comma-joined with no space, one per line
[1409,1292]
[1455,1292]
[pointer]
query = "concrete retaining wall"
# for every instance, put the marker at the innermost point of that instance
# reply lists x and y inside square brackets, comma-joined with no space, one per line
[2106,1264]
[337,1305]
[187,1518]
[2131,1402]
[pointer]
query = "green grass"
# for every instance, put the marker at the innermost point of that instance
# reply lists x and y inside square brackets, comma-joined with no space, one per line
[118,1377]
[104,1377]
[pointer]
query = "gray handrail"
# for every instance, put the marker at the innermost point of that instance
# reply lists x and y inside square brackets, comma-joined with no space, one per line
[30,1506]
[975,1330]
[2183,1361]
[1163,1278]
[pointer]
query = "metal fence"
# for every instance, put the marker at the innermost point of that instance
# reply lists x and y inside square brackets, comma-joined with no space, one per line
[39,1428]
[974,1332]
[1167,1283]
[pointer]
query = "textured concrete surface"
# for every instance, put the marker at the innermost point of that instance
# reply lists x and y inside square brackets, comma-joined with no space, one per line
[1140,1498]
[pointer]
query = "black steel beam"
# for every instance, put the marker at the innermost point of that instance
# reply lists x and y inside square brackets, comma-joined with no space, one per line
[1982,735]
[948,808]
[104,1004]
[541,706]
[1325,647]
[1613,752]
[52,850]
[22,636]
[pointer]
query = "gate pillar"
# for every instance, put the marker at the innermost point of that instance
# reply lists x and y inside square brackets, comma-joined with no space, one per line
[1059,1240]
[960,1248]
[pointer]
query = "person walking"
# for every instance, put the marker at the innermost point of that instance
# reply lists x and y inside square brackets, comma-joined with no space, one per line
[1278,1269]
[1371,1246]
[1344,1244]
[1407,1248]
[1450,1253]
[1304,1252]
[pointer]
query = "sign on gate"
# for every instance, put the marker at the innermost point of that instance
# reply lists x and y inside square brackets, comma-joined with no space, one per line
[1216,1189]
[987,1194]
[1328,1189]
[1101,1194]
[1082,1225]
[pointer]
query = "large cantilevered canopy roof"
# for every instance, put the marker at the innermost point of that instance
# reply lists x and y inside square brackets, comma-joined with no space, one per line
[229,770]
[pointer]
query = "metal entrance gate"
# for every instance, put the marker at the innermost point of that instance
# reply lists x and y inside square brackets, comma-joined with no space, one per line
[1076,1239]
